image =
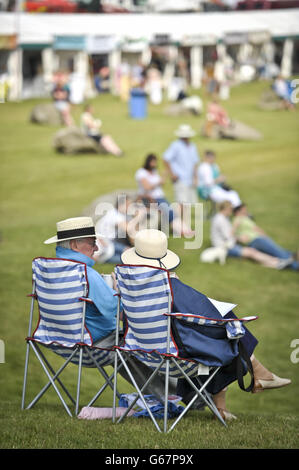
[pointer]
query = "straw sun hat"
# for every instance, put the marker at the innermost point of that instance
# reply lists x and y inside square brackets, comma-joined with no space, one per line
[151,248]
[69,229]
[185,131]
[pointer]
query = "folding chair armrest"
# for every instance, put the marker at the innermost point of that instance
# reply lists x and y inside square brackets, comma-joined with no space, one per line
[249,318]
[214,320]
[34,296]
[86,299]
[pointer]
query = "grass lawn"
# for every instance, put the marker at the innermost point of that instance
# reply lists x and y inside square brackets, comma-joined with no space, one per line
[40,187]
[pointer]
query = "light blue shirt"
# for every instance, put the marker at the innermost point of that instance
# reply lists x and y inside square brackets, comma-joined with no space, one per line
[182,158]
[100,317]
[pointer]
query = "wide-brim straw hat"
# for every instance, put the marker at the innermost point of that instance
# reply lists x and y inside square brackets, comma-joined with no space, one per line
[151,248]
[70,229]
[185,131]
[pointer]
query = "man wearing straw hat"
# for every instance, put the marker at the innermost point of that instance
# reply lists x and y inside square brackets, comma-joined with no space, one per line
[76,240]
[151,248]
[181,160]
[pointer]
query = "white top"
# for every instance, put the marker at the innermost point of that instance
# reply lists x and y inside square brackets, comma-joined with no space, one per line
[107,226]
[153,179]
[89,125]
[221,231]
[205,174]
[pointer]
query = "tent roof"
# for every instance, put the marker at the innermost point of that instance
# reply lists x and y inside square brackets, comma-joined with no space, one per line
[41,26]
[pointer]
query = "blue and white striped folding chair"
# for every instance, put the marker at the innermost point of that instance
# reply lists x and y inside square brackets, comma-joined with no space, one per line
[146,297]
[60,288]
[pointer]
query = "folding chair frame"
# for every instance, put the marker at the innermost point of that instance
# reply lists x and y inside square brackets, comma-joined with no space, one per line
[165,359]
[81,347]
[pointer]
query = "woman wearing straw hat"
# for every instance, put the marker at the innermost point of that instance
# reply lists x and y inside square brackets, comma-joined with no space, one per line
[151,248]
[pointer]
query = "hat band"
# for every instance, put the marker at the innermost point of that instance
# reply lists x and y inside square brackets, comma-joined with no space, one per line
[78,232]
[158,259]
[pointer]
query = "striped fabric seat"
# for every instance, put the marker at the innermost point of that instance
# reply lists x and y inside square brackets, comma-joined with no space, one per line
[146,296]
[146,299]
[60,286]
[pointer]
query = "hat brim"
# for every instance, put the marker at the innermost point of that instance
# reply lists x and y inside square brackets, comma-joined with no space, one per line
[169,261]
[56,240]
[186,135]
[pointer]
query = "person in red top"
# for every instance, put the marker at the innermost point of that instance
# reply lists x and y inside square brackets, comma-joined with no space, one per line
[217,114]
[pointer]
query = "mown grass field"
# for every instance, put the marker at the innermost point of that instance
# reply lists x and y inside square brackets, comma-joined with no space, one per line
[40,187]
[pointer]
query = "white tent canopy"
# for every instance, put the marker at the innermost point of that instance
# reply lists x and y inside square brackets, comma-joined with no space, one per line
[136,26]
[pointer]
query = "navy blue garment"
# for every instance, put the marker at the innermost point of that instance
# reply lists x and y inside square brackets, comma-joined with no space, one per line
[188,300]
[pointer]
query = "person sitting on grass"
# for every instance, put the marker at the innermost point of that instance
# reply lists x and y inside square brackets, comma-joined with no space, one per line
[251,235]
[91,127]
[151,248]
[116,227]
[150,191]
[284,91]
[212,184]
[222,235]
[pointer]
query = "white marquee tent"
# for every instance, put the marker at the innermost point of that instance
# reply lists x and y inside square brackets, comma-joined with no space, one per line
[41,26]
[193,29]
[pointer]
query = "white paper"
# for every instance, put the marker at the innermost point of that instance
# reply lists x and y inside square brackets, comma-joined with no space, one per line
[222,307]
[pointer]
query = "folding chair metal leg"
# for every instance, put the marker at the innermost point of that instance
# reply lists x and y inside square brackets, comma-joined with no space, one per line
[114,387]
[51,380]
[28,346]
[79,380]
[139,393]
[106,377]
[101,370]
[142,389]
[55,377]
[25,376]
[201,393]
[166,395]
[104,386]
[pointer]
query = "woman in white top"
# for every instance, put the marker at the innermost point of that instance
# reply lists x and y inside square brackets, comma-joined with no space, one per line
[91,127]
[150,191]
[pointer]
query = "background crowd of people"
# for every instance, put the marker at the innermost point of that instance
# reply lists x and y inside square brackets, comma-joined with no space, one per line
[194,178]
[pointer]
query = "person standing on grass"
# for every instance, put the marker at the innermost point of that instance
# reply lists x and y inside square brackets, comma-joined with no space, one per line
[181,160]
